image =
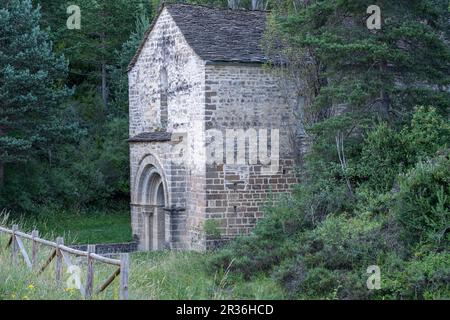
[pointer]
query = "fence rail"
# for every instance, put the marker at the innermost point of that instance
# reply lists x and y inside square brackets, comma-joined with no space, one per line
[60,254]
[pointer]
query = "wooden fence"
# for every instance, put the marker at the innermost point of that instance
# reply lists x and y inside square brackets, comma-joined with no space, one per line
[61,254]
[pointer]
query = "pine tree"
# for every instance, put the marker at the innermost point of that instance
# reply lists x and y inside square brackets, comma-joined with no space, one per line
[385,72]
[119,80]
[32,85]
[105,26]
[348,77]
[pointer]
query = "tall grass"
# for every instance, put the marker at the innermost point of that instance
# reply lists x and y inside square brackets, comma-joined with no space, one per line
[184,275]
[153,275]
[81,227]
[18,282]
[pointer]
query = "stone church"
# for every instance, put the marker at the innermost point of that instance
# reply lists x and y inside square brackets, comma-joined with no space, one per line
[199,71]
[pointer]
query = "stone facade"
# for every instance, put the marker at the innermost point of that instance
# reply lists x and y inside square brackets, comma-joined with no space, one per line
[245,97]
[177,97]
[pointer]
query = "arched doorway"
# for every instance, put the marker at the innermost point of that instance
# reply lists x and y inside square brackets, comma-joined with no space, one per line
[157,218]
[151,195]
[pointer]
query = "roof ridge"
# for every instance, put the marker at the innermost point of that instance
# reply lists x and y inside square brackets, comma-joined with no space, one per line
[212,7]
[196,33]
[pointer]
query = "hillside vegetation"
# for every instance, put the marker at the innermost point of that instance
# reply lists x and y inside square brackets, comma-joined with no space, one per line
[156,275]
[374,187]
[320,242]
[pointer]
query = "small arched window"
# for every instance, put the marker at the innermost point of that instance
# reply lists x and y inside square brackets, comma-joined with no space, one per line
[163,89]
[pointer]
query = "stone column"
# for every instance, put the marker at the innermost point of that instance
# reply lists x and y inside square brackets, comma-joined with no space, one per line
[159,232]
[148,212]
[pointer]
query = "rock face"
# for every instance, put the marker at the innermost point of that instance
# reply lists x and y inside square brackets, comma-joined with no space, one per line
[211,130]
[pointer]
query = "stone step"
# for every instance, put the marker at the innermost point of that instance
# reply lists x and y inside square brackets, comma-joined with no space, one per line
[107,249]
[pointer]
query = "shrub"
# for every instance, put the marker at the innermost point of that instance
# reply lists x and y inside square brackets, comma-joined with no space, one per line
[319,283]
[251,255]
[320,242]
[340,249]
[386,152]
[211,228]
[422,204]
[383,157]
[428,133]
[422,277]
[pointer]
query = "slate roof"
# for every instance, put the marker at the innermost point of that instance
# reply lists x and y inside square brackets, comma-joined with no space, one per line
[217,34]
[156,136]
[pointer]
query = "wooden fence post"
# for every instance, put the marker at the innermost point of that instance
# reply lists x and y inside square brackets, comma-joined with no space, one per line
[58,265]
[34,248]
[14,246]
[61,253]
[124,273]
[23,251]
[90,272]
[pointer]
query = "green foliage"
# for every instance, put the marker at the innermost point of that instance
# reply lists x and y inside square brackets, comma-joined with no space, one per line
[423,277]
[382,158]
[428,133]
[319,242]
[105,26]
[153,275]
[359,88]
[423,203]
[32,86]
[77,227]
[331,259]
[369,73]
[211,228]
[387,152]
[75,147]
[119,83]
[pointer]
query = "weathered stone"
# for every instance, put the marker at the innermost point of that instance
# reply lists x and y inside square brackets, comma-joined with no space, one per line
[173,188]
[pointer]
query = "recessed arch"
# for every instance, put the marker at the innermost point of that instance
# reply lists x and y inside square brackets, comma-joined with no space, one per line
[152,196]
[149,167]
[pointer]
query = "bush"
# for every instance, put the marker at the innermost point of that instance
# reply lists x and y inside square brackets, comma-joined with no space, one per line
[251,255]
[332,259]
[423,203]
[275,237]
[423,277]
[382,158]
[320,242]
[387,153]
[211,228]
[428,133]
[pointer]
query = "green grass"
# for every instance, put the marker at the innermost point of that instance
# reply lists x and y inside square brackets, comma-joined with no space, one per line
[184,275]
[79,228]
[153,275]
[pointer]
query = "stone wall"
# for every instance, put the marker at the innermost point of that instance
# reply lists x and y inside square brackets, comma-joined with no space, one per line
[109,248]
[202,96]
[166,49]
[246,97]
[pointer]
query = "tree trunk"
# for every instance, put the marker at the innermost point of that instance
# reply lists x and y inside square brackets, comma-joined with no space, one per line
[384,95]
[2,165]
[104,73]
[104,87]
[2,174]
